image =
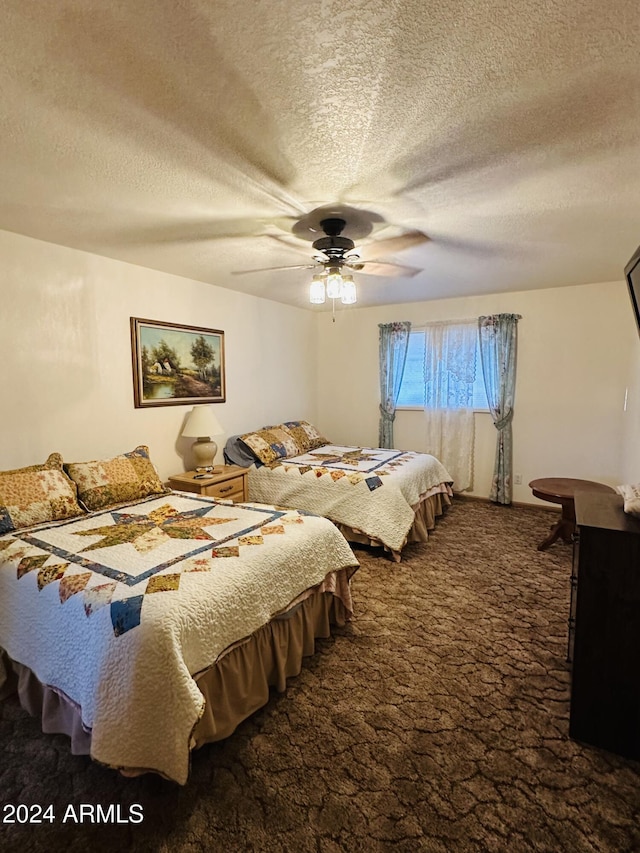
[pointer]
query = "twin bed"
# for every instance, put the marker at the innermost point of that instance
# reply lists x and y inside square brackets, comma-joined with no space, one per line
[380,497]
[144,622]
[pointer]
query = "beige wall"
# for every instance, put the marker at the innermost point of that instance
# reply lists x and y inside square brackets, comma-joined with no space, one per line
[64,341]
[631,434]
[66,356]
[577,354]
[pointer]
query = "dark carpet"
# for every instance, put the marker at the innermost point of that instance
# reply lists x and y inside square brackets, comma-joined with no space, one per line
[436,721]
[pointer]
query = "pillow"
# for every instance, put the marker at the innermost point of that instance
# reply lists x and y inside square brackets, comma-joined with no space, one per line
[306,435]
[125,478]
[631,496]
[271,444]
[236,452]
[37,494]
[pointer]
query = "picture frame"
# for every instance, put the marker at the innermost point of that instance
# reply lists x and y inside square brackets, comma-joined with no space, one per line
[176,365]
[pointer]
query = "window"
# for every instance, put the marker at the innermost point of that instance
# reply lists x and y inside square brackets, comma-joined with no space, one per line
[413,391]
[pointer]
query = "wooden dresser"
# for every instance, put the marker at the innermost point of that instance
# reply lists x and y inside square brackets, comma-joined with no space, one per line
[230,484]
[605,684]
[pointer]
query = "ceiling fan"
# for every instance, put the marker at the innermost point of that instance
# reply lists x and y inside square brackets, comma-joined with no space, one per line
[336,250]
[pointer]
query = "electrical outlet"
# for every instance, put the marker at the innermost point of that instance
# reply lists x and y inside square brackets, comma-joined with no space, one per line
[517,479]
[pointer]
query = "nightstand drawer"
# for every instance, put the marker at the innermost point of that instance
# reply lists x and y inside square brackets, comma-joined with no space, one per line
[227,483]
[232,489]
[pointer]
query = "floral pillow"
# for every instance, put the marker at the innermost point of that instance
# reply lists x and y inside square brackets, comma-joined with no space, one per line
[125,478]
[306,435]
[271,444]
[37,494]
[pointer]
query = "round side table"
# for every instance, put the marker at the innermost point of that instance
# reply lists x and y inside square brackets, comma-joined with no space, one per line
[561,490]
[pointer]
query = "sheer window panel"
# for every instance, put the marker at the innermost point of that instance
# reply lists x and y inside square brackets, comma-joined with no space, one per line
[412,391]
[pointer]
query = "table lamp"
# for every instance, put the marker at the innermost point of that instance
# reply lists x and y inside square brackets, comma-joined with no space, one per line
[201,424]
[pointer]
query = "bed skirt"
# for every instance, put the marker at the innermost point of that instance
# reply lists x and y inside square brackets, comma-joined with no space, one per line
[426,511]
[234,688]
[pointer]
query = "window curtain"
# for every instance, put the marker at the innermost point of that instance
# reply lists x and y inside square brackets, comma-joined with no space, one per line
[498,345]
[394,340]
[449,373]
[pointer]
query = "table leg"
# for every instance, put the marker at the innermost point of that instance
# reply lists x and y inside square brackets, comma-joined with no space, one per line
[564,528]
[556,530]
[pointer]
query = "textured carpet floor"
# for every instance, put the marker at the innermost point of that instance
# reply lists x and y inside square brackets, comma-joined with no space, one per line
[436,721]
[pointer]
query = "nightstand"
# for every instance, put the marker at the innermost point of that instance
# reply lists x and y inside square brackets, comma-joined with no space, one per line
[230,484]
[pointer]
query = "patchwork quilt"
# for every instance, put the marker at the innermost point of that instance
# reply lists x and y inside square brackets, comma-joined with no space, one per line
[370,489]
[118,609]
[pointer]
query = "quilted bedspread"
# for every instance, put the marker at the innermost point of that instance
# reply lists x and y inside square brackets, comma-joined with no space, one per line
[119,608]
[372,490]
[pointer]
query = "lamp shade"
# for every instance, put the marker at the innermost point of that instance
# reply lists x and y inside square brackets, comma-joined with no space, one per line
[334,283]
[201,423]
[348,290]
[316,290]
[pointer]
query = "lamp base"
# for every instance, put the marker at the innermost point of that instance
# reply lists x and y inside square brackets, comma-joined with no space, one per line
[204,451]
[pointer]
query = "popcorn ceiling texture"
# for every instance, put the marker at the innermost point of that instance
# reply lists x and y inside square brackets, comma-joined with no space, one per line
[180,136]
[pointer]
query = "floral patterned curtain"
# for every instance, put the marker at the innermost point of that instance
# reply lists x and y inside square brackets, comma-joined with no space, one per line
[449,373]
[498,345]
[394,340]
[450,364]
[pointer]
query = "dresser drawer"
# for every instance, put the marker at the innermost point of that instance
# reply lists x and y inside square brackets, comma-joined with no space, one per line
[232,489]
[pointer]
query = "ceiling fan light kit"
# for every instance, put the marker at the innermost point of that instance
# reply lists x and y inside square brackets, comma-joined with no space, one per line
[334,248]
[332,285]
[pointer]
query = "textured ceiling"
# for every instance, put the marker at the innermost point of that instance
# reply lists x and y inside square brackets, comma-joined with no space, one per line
[185,135]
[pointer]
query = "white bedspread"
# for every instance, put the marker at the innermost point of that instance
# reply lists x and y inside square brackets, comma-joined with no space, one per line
[372,490]
[120,608]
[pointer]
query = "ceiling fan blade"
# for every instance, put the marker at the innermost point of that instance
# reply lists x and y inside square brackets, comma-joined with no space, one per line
[345,219]
[273,269]
[393,245]
[384,268]
[290,242]
[194,231]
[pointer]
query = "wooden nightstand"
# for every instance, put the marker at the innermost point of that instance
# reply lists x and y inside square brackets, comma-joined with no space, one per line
[231,484]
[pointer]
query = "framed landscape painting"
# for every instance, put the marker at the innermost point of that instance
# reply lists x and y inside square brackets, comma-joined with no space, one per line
[176,365]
